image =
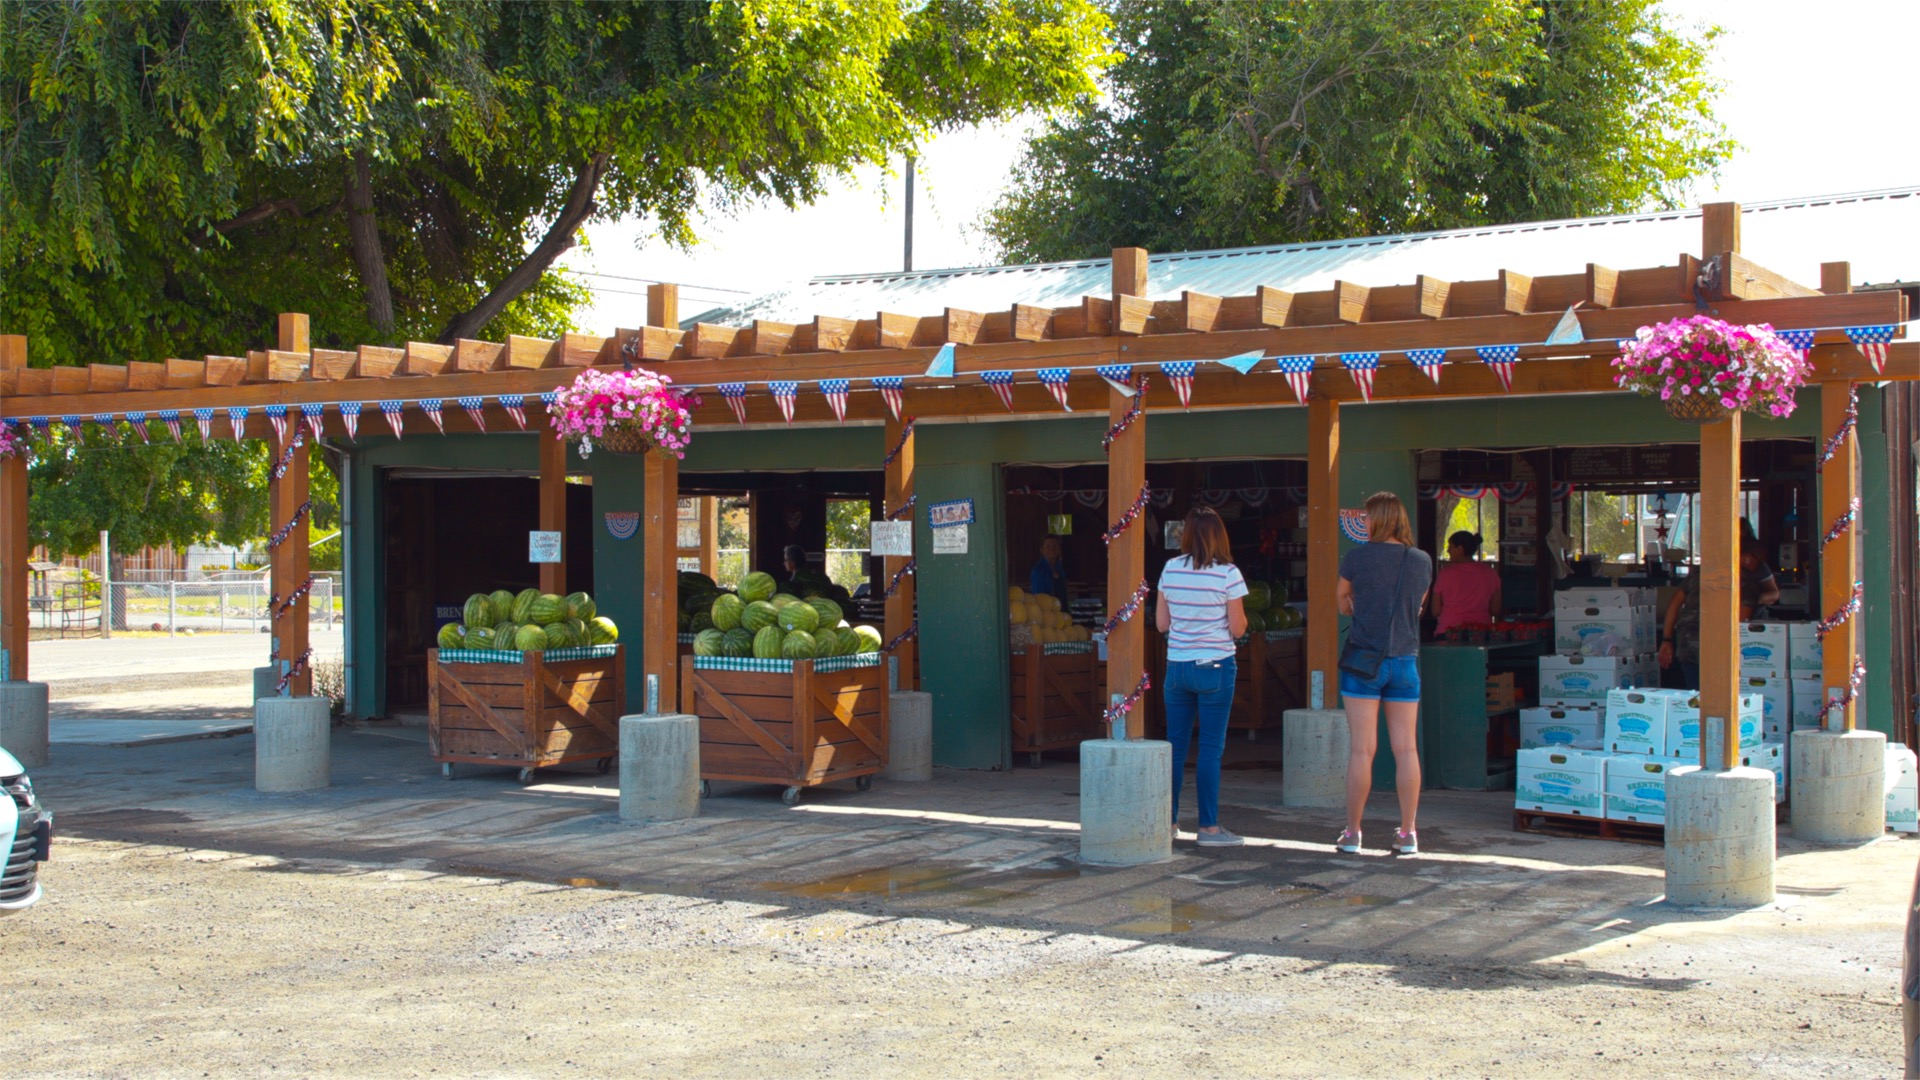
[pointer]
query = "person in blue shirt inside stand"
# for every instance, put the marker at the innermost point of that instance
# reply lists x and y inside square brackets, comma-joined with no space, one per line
[1049,576]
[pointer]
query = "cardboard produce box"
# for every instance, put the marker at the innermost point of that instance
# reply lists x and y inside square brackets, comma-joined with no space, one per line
[1636,722]
[1585,680]
[1772,756]
[1903,797]
[1549,726]
[1575,628]
[1803,650]
[1808,694]
[1636,788]
[1683,724]
[1776,700]
[1557,780]
[1763,650]
[1573,600]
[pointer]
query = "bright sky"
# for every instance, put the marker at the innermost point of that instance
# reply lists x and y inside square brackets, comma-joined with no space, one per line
[1773,58]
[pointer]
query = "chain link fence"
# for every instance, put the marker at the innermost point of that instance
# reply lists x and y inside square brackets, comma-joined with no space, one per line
[171,602]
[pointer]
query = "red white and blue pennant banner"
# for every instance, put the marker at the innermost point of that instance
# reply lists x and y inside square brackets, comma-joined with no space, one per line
[476,411]
[1429,361]
[395,420]
[1362,366]
[1872,341]
[1180,374]
[735,395]
[1501,359]
[1055,380]
[891,389]
[1118,376]
[313,415]
[1002,383]
[350,418]
[1800,341]
[1299,373]
[432,406]
[277,418]
[783,395]
[836,395]
[237,419]
[516,406]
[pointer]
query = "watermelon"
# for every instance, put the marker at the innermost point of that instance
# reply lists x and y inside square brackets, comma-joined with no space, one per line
[523,606]
[546,610]
[781,600]
[701,621]
[737,642]
[708,643]
[581,606]
[530,639]
[683,621]
[766,643]
[757,616]
[726,611]
[830,613]
[697,579]
[798,617]
[696,601]
[799,645]
[478,610]
[479,637]
[850,642]
[601,631]
[756,586]
[870,638]
[1280,593]
[1256,621]
[577,628]
[451,637]
[560,636]
[502,602]
[1259,596]
[505,631]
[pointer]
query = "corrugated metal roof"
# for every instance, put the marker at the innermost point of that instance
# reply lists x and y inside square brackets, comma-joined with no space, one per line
[1874,230]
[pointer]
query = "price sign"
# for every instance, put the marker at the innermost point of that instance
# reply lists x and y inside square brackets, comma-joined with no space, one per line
[543,547]
[951,541]
[893,538]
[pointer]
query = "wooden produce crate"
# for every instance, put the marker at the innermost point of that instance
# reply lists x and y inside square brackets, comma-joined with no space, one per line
[1270,677]
[800,723]
[525,710]
[1057,691]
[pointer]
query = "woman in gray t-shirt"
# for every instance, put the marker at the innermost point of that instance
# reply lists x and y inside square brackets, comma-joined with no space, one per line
[1383,586]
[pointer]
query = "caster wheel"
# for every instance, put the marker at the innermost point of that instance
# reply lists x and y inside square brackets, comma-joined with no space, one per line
[526,777]
[1034,759]
[603,766]
[446,770]
[706,790]
[790,796]
[863,783]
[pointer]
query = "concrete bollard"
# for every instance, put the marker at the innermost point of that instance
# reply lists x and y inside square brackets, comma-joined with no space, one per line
[1720,837]
[909,736]
[1126,801]
[1313,758]
[659,767]
[23,721]
[266,682]
[292,744]
[1837,786]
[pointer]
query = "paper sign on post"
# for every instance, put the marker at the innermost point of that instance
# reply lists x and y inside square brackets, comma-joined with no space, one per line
[951,541]
[892,538]
[543,547]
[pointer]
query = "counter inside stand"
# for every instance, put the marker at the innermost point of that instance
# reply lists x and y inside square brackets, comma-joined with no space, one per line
[1462,746]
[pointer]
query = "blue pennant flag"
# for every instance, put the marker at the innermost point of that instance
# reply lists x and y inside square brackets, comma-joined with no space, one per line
[1242,362]
[942,365]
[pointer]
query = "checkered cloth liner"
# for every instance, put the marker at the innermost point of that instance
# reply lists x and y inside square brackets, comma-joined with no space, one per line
[1061,648]
[687,638]
[780,667]
[1283,635]
[509,656]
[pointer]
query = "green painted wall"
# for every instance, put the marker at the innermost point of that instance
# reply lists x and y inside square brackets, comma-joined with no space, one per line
[1876,524]
[963,607]
[618,565]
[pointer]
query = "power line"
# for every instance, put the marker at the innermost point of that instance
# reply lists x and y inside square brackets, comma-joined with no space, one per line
[649,281]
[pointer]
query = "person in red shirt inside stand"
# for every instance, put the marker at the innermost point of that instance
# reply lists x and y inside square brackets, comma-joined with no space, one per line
[1466,592]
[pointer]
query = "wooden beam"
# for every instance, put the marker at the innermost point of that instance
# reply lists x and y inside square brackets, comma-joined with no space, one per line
[1323,547]
[580,350]
[1426,298]
[32,382]
[426,358]
[1836,278]
[289,561]
[1719,585]
[1132,314]
[331,364]
[529,353]
[711,341]
[1199,312]
[1840,560]
[899,606]
[659,638]
[286,366]
[145,376]
[106,378]
[663,305]
[471,355]
[1743,279]
[553,508]
[960,326]
[15,544]
[71,380]
[831,334]
[184,374]
[772,338]
[1719,228]
[377,362]
[1032,322]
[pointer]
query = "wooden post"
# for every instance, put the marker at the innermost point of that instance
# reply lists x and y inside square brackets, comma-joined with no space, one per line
[289,561]
[1719,229]
[1323,547]
[1720,588]
[1127,555]
[553,507]
[15,548]
[899,476]
[660,636]
[663,306]
[1840,560]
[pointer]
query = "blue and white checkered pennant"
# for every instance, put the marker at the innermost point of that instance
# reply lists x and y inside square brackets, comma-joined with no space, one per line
[237,417]
[1055,380]
[350,419]
[1180,374]
[1800,341]
[1872,341]
[1118,376]
[836,394]
[783,396]
[1362,365]
[1299,373]
[891,389]
[396,417]
[1429,361]
[735,395]
[314,415]
[1002,383]
[432,407]
[476,407]
[1501,359]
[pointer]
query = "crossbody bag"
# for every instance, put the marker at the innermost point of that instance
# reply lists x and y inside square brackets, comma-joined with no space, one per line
[1363,661]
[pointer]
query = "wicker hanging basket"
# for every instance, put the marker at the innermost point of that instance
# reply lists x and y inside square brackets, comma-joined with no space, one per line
[624,440]
[1696,409]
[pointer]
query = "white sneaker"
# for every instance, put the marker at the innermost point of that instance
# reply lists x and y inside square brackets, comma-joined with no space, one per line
[1349,842]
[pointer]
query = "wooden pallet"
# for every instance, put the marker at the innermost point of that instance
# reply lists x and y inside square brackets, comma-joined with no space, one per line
[1632,832]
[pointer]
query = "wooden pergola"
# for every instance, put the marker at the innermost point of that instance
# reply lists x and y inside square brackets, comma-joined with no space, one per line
[1124,329]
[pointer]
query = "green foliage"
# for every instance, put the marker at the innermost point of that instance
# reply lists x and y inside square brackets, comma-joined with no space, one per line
[1267,121]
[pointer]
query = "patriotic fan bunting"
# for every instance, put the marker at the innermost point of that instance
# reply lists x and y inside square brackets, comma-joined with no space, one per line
[1055,380]
[735,395]
[277,416]
[432,406]
[516,406]
[1180,374]
[1362,365]
[476,411]
[237,418]
[1002,383]
[139,422]
[171,418]
[1299,373]
[783,395]
[395,418]
[1800,341]
[314,415]
[1872,342]
[1501,359]
[1429,361]
[1118,376]
[203,419]
[891,388]
[835,391]
[350,418]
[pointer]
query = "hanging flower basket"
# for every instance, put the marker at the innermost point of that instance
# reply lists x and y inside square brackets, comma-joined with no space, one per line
[624,412]
[12,442]
[1705,369]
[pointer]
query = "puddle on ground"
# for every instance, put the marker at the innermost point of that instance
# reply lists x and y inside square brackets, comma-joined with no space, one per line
[1164,915]
[515,875]
[965,884]
[1355,900]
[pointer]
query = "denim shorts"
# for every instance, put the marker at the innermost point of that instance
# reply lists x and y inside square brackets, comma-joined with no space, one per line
[1397,680]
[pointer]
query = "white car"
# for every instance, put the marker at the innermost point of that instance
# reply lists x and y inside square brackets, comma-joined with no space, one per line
[26,834]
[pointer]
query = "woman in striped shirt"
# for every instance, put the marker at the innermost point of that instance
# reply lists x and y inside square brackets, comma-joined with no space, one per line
[1199,609]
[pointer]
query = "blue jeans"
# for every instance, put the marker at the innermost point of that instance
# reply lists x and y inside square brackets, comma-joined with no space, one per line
[1397,680]
[1203,687]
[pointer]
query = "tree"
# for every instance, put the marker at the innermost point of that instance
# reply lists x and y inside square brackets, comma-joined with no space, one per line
[1269,121]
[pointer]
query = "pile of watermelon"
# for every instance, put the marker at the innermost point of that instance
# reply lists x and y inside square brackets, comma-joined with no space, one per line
[1266,606]
[528,621]
[756,621]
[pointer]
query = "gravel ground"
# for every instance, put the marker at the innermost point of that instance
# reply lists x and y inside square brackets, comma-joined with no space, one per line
[160,961]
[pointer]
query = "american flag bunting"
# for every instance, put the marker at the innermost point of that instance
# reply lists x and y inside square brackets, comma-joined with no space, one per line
[432,406]
[1429,361]
[476,411]
[1362,366]
[1055,380]
[203,419]
[277,416]
[350,419]
[783,395]
[1501,359]
[1872,341]
[1180,374]
[735,395]
[1002,383]
[396,420]
[891,389]
[1800,341]
[1299,373]
[139,422]
[171,418]
[516,406]
[237,418]
[314,415]
[836,394]
[1118,376]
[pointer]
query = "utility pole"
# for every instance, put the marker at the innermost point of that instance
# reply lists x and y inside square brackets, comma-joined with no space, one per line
[907,261]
